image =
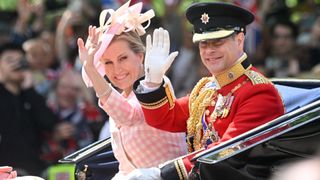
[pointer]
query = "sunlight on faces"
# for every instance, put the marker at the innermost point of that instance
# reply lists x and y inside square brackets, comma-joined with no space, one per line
[220,54]
[38,54]
[122,65]
[68,89]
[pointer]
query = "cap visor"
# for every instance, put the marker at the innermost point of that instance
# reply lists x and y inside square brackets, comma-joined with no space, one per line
[211,35]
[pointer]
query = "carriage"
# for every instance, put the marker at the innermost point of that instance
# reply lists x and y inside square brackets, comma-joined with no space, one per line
[256,154]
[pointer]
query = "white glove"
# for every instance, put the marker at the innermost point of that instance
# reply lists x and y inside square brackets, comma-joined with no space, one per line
[145,174]
[158,60]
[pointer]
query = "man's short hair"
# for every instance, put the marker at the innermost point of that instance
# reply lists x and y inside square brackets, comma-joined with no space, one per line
[287,23]
[11,46]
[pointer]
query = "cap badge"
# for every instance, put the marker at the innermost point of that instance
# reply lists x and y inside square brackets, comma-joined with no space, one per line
[205,18]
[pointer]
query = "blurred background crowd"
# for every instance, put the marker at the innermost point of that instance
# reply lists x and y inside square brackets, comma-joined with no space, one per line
[283,41]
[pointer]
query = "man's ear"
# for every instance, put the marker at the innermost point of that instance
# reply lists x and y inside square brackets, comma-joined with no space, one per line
[240,40]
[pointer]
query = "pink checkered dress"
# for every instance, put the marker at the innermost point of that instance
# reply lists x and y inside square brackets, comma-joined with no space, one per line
[136,144]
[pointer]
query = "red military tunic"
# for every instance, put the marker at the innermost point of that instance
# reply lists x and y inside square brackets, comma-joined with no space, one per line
[246,99]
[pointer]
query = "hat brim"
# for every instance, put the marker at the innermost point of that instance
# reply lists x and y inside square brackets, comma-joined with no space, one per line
[211,35]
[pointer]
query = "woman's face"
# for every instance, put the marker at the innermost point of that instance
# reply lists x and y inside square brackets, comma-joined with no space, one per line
[122,66]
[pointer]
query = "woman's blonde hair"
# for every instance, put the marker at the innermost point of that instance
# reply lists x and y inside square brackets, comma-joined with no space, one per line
[133,39]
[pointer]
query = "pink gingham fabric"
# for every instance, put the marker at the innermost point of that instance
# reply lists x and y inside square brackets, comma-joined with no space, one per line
[135,143]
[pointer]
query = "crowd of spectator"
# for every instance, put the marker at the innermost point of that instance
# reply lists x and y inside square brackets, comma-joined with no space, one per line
[284,41]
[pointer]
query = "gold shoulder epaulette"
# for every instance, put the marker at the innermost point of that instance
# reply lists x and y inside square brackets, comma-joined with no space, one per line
[256,78]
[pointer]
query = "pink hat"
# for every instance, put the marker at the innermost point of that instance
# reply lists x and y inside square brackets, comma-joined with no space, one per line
[126,18]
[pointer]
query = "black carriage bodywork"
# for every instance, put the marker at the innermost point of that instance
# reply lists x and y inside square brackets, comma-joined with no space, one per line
[253,155]
[94,162]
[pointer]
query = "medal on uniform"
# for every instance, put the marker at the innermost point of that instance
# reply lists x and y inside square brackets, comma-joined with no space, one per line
[223,105]
[210,135]
[227,105]
[219,105]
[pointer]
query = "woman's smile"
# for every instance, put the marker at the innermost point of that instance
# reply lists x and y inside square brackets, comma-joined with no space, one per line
[121,77]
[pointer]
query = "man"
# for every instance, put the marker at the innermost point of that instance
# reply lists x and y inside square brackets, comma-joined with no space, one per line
[237,98]
[24,115]
[284,57]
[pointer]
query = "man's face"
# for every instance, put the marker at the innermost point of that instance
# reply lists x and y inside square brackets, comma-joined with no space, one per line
[9,62]
[283,40]
[68,89]
[220,54]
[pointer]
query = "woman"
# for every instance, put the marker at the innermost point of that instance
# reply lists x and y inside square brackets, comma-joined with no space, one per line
[135,144]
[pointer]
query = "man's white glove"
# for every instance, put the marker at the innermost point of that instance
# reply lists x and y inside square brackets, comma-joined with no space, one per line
[145,174]
[158,60]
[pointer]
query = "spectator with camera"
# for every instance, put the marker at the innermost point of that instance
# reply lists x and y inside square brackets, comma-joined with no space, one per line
[25,118]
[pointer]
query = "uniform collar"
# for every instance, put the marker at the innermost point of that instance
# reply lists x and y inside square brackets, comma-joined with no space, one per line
[233,73]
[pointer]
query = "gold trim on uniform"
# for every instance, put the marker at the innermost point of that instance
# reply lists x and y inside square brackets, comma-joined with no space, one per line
[176,165]
[231,74]
[182,172]
[197,89]
[256,78]
[154,105]
[169,95]
[201,97]
[226,152]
